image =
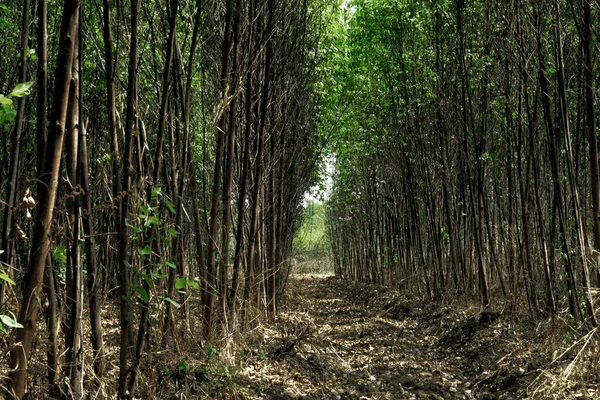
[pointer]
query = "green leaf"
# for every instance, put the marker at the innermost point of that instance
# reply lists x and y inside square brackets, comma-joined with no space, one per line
[148,280]
[60,255]
[5,101]
[180,283]
[10,320]
[155,192]
[21,90]
[143,294]
[193,284]
[164,240]
[170,206]
[127,264]
[130,225]
[173,232]
[158,275]
[6,278]
[146,251]
[173,302]
[152,220]
[171,264]
[7,114]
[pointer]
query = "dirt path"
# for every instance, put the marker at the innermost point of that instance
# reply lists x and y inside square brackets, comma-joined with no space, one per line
[337,340]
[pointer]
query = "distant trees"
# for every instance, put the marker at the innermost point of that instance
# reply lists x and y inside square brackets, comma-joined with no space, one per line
[180,142]
[466,165]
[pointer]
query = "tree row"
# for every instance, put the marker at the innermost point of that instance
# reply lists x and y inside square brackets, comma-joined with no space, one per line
[158,156]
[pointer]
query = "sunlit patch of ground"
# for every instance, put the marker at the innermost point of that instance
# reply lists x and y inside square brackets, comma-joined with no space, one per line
[318,275]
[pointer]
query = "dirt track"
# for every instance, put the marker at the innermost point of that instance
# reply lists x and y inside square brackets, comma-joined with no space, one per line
[339,340]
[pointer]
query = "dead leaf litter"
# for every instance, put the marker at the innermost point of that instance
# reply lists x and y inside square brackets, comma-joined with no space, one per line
[335,340]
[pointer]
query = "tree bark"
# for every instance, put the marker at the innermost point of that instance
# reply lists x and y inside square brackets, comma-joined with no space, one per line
[590,119]
[47,196]
[209,287]
[74,275]
[15,142]
[124,199]
[93,278]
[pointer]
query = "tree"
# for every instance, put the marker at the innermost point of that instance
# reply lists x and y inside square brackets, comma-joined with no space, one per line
[47,189]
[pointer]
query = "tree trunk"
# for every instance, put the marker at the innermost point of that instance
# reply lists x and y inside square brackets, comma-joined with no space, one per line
[74,275]
[124,199]
[590,119]
[53,355]
[93,277]
[564,114]
[47,196]
[209,287]
[156,173]
[15,144]
[229,160]
[241,205]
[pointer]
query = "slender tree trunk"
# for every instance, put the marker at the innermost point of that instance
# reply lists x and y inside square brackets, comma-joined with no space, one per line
[42,83]
[144,323]
[210,288]
[229,160]
[241,205]
[47,196]
[253,234]
[15,142]
[112,221]
[553,157]
[52,353]
[124,200]
[184,166]
[74,276]
[590,119]
[564,114]
[93,277]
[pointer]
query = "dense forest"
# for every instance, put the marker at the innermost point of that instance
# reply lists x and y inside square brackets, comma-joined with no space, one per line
[467,161]
[157,160]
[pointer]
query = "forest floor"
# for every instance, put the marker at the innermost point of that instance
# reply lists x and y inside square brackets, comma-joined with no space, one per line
[340,340]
